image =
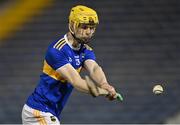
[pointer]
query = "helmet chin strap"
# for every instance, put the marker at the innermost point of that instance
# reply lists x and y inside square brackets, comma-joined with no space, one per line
[77,39]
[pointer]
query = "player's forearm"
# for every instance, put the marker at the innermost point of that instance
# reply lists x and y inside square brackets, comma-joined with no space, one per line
[81,85]
[88,86]
[94,89]
[98,76]
[73,77]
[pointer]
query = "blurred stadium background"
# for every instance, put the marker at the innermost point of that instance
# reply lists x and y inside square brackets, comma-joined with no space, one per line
[137,43]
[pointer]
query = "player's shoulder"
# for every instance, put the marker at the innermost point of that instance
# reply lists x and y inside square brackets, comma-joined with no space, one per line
[59,44]
[88,47]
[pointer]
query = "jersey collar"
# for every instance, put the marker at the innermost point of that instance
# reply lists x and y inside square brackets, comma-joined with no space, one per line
[70,44]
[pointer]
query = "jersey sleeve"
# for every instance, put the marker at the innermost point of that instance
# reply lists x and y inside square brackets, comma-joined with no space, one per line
[90,55]
[56,58]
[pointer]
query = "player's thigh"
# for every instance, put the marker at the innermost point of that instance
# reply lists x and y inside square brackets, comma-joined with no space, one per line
[35,117]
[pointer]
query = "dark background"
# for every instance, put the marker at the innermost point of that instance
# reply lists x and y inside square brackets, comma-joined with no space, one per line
[136,43]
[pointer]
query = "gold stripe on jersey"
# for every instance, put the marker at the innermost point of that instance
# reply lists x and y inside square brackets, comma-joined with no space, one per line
[59,43]
[47,69]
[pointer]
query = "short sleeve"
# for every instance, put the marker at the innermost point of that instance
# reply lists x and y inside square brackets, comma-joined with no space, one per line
[89,54]
[56,58]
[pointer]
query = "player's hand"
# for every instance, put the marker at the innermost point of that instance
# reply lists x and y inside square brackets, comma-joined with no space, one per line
[111,90]
[94,89]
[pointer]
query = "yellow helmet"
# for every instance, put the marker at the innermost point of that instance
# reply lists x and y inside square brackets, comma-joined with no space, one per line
[82,14]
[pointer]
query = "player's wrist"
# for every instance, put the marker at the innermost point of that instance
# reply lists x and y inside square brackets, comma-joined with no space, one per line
[107,87]
[104,84]
[102,92]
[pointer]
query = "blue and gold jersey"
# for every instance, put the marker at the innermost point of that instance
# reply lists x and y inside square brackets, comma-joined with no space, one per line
[53,90]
